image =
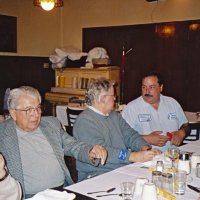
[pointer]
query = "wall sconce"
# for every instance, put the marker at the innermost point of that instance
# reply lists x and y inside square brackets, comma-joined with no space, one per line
[48,4]
[194,27]
[165,30]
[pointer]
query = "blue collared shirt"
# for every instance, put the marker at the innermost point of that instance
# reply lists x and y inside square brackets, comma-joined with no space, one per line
[145,119]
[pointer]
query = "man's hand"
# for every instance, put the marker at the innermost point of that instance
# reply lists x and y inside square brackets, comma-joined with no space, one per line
[143,156]
[155,138]
[98,152]
[177,137]
[2,167]
[156,151]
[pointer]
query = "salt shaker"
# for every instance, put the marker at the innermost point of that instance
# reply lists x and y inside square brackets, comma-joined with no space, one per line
[159,166]
[167,182]
[184,162]
[198,170]
[157,178]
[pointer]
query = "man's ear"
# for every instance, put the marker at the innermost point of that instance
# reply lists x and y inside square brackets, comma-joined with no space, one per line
[13,114]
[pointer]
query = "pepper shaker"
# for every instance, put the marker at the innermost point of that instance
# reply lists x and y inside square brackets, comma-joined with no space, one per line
[198,170]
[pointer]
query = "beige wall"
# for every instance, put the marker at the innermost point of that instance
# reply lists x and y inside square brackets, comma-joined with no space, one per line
[40,32]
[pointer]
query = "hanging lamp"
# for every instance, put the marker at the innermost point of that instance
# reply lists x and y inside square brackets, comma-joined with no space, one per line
[48,4]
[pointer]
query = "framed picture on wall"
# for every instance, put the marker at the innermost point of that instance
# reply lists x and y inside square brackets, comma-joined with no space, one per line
[8,33]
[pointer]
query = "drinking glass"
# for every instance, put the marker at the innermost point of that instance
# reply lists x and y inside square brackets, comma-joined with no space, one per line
[180,178]
[173,154]
[127,189]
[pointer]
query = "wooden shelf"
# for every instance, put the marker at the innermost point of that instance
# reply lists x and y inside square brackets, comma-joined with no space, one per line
[59,95]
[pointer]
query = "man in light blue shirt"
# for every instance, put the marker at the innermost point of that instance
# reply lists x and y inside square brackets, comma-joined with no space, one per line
[154,115]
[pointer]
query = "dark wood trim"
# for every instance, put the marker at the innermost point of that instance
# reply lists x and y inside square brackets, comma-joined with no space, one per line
[26,70]
[176,58]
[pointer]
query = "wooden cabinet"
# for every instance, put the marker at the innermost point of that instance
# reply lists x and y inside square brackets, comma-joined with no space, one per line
[61,95]
[69,73]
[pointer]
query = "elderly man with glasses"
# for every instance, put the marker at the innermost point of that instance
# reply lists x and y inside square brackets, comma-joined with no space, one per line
[34,146]
[99,123]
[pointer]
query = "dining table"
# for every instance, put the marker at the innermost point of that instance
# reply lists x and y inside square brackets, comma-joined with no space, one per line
[131,172]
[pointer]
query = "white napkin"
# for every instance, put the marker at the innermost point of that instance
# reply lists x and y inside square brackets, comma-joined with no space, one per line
[50,194]
[153,162]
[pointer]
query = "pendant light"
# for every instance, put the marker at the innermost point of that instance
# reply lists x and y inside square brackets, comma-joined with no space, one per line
[48,4]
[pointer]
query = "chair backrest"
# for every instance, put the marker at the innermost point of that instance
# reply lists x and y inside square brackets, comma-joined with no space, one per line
[72,114]
[194,133]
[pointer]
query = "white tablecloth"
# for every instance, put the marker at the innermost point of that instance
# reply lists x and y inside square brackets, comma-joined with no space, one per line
[130,173]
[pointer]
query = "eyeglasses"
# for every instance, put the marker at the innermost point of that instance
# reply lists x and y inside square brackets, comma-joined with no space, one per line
[31,111]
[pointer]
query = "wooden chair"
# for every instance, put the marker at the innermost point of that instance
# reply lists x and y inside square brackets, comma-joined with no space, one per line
[194,133]
[71,165]
[72,114]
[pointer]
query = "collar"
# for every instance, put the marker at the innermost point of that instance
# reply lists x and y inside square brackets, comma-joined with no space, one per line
[97,111]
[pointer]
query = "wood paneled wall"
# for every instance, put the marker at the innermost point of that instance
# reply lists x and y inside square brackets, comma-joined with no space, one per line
[20,70]
[176,57]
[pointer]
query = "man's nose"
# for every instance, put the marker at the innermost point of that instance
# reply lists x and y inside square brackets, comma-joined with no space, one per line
[147,90]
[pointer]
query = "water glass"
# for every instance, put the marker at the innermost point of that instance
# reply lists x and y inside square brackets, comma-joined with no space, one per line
[127,190]
[180,178]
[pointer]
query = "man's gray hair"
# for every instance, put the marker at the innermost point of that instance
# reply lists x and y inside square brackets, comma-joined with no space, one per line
[16,93]
[96,88]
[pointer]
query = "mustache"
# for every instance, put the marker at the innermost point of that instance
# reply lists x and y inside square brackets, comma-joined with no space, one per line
[148,95]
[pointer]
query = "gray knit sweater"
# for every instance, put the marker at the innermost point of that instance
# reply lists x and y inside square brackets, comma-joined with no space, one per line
[110,131]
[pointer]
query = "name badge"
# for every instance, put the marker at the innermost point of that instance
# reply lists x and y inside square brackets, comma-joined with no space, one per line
[123,154]
[172,116]
[144,117]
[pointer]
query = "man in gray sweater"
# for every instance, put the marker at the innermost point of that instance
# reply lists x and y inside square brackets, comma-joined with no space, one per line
[100,124]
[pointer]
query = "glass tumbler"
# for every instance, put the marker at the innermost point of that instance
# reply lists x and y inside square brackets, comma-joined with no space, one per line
[180,182]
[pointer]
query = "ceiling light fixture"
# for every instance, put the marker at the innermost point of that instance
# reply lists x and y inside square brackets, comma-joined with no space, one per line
[48,4]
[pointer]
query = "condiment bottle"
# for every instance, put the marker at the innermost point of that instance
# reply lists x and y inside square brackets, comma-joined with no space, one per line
[198,170]
[184,162]
[159,166]
[157,178]
[167,182]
